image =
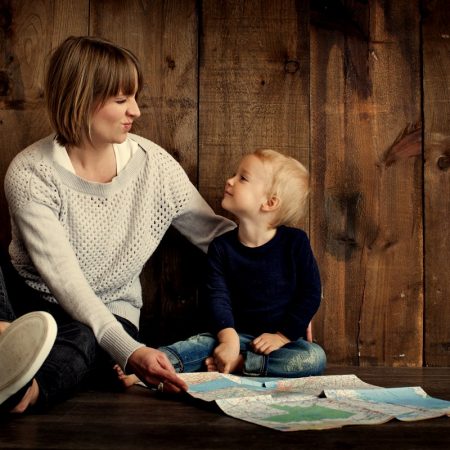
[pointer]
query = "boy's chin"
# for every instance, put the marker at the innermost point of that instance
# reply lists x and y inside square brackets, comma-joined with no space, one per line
[224,205]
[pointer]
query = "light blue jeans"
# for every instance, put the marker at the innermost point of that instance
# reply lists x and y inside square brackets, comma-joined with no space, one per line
[296,359]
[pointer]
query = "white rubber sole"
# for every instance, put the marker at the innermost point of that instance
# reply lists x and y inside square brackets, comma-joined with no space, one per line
[24,346]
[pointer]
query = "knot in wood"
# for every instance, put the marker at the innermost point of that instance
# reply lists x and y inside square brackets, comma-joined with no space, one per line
[291,66]
[170,63]
[444,162]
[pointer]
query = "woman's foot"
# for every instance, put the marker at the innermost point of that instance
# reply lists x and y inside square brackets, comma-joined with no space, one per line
[4,326]
[29,399]
[24,346]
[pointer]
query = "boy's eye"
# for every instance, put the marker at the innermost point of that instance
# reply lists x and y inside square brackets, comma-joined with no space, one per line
[242,178]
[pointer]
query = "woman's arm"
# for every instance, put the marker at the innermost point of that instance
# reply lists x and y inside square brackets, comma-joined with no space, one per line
[54,258]
[198,222]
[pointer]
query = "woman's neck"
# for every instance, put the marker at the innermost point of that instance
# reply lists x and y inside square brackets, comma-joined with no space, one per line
[97,164]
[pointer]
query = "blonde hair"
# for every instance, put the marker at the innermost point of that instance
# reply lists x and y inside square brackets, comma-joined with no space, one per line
[290,184]
[83,72]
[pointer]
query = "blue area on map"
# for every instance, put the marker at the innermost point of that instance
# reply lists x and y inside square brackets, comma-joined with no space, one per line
[221,383]
[225,383]
[402,396]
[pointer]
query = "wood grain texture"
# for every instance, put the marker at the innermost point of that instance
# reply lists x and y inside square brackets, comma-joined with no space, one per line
[436,88]
[254,78]
[336,84]
[28,33]
[366,217]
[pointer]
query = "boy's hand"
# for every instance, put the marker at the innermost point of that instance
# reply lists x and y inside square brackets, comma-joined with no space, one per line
[226,356]
[266,343]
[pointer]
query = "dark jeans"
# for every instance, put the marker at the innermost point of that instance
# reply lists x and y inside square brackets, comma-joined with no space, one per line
[75,359]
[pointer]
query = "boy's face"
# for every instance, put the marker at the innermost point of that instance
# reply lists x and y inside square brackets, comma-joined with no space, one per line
[247,190]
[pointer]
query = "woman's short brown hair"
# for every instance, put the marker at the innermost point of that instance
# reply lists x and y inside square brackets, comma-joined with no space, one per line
[83,72]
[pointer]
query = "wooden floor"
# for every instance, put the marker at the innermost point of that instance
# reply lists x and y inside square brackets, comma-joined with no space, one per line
[140,419]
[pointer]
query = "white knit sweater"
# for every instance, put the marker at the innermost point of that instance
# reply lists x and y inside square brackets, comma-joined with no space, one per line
[84,244]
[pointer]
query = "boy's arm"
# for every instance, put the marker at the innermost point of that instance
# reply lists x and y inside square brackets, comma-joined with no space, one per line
[220,311]
[218,297]
[308,293]
[226,354]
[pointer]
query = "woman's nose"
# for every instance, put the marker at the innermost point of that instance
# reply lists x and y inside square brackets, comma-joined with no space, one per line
[133,108]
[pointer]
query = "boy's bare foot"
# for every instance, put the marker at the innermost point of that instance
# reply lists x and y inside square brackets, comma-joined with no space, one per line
[237,367]
[210,364]
[126,380]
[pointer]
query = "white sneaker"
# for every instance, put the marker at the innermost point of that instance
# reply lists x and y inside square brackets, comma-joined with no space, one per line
[24,346]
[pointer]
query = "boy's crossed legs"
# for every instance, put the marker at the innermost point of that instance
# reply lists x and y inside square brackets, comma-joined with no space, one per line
[295,359]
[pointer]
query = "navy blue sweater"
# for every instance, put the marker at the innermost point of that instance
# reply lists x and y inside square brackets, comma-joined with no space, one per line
[274,287]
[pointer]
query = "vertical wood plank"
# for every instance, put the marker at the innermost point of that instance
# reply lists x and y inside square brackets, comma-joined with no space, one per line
[367,205]
[254,86]
[163,34]
[436,87]
[28,32]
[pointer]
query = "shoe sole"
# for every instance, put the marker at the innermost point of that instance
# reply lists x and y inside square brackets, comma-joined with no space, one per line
[24,346]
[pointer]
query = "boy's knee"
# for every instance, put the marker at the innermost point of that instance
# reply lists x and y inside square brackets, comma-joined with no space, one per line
[308,359]
[319,358]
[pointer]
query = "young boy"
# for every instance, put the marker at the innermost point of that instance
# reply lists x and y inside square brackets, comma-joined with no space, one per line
[263,285]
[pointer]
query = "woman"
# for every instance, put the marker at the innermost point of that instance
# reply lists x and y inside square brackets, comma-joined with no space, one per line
[89,205]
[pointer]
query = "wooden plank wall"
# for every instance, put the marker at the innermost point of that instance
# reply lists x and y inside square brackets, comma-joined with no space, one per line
[436,188]
[358,91]
[367,200]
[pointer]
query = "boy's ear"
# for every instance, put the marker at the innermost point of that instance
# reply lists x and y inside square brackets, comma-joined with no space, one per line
[271,204]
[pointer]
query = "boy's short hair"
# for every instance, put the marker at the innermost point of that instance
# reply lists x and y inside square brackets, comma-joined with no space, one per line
[290,184]
[82,73]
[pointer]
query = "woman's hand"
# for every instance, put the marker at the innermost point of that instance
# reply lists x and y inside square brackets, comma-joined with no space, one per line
[153,367]
[266,343]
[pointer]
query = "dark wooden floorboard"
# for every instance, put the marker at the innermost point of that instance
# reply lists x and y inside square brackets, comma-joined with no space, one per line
[139,419]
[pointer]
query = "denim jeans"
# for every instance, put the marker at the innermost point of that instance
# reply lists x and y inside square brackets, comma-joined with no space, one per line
[75,359]
[295,359]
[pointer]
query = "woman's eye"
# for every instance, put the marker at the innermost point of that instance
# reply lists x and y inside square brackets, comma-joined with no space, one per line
[121,100]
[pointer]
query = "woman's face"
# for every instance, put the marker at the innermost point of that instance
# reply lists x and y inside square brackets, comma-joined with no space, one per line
[112,121]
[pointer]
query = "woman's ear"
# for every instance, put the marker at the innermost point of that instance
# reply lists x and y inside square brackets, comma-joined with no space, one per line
[271,204]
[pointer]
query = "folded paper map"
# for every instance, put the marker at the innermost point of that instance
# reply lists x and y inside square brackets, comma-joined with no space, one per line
[312,403]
